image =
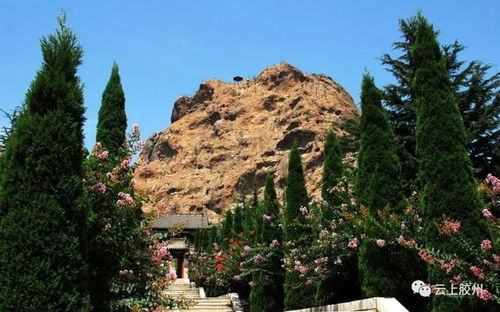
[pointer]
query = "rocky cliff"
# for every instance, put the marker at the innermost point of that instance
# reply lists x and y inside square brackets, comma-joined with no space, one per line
[225,138]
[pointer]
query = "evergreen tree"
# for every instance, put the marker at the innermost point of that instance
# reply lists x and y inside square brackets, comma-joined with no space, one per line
[378,179]
[449,190]
[331,176]
[238,220]
[42,229]
[295,196]
[227,228]
[112,120]
[296,231]
[267,292]
[213,238]
[477,93]
[378,186]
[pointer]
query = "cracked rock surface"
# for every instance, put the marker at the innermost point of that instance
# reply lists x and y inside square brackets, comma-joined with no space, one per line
[225,138]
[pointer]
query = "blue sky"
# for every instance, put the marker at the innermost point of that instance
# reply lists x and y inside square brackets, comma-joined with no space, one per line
[165,49]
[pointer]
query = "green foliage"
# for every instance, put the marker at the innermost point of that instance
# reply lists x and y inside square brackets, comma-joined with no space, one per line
[238,220]
[227,228]
[379,188]
[267,289]
[112,120]
[296,231]
[378,180]
[449,190]
[331,176]
[477,94]
[42,226]
[295,196]
[270,228]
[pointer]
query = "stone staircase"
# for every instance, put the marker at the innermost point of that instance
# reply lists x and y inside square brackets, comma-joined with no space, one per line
[184,288]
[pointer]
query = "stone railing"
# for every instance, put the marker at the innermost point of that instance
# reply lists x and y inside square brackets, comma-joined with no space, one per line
[377,304]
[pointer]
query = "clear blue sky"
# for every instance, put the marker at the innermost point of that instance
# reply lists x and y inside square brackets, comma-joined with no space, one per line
[166,48]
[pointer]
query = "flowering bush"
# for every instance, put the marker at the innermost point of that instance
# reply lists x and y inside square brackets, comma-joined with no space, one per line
[129,267]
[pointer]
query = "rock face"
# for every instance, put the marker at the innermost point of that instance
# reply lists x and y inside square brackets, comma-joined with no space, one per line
[226,137]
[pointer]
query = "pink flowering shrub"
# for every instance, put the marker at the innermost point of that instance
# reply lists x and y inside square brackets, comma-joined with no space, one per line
[137,263]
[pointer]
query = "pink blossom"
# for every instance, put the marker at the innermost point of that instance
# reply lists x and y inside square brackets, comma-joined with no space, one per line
[99,187]
[236,277]
[257,258]
[109,175]
[126,272]
[323,233]
[353,244]
[266,218]
[450,227]
[483,294]
[274,243]
[125,163]
[247,249]
[309,282]
[486,244]
[103,155]
[171,276]
[321,260]
[135,128]
[477,272]
[380,242]
[487,214]
[426,257]
[303,210]
[107,226]
[125,199]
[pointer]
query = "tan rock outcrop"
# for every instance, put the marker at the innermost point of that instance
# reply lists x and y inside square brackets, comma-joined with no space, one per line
[226,137]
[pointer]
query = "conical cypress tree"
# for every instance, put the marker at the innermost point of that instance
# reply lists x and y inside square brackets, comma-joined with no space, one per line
[378,179]
[213,238]
[378,185]
[267,291]
[227,228]
[445,169]
[331,176]
[296,231]
[295,196]
[238,220]
[270,229]
[112,120]
[42,241]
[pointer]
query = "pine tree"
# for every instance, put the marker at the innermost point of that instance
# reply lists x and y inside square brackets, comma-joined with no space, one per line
[112,120]
[378,187]
[478,96]
[296,231]
[331,177]
[42,229]
[449,190]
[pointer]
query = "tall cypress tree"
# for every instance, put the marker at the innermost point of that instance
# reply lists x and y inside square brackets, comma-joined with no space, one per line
[296,231]
[378,179]
[445,169]
[477,92]
[112,120]
[267,290]
[332,175]
[378,185]
[227,228]
[238,220]
[42,241]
